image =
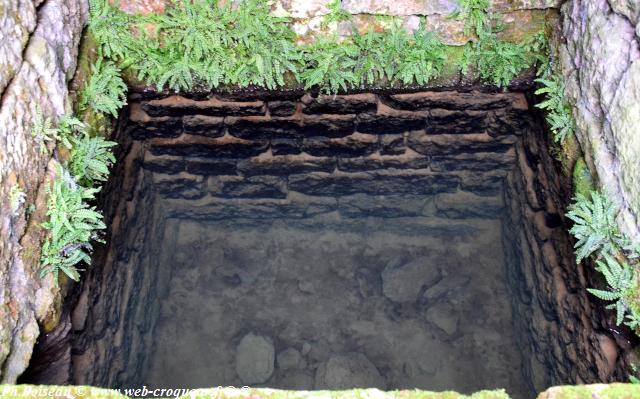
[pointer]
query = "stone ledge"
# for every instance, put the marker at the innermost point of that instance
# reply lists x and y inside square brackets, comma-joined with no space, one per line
[601,391]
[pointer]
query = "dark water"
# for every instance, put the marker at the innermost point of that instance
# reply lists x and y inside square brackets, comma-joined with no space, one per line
[335,302]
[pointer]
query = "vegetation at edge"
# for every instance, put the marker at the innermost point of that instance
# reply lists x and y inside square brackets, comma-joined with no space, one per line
[200,43]
[616,257]
[72,223]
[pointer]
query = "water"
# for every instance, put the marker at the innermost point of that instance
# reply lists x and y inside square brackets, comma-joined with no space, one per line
[391,302]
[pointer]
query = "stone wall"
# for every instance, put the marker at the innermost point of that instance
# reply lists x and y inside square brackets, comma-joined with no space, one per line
[271,155]
[38,52]
[600,58]
[568,343]
[521,17]
[267,155]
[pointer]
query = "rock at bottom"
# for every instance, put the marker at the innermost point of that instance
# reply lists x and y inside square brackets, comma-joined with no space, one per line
[255,359]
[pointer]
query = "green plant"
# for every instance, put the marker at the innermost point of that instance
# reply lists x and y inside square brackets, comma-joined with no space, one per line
[336,14]
[378,53]
[111,28]
[495,60]
[106,91]
[91,158]
[43,130]
[558,111]
[473,13]
[17,197]
[619,278]
[331,65]
[422,59]
[632,377]
[594,226]
[71,226]
[69,127]
[201,42]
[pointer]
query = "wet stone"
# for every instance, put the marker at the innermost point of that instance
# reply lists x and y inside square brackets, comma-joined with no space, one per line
[351,146]
[183,186]
[444,316]
[340,104]
[392,144]
[392,123]
[221,149]
[211,166]
[328,125]
[442,121]
[450,100]
[461,205]
[281,146]
[255,359]
[290,358]
[202,125]
[445,144]
[371,183]
[285,165]
[251,187]
[479,162]
[260,128]
[382,206]
[142,126]
[179,106]
[384,162]
[351,370]
[402,281]
[483,184]
[163,164]
[281,108]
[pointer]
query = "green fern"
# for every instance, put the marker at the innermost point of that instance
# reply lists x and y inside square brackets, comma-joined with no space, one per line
[71,227]
[495,60]
[331,65]
[69,127]
[422,60]
[558,111]
[336,14]
[43,131]
[594,226]
[619,279]
[106,91]
[379,53]
[91,158]
[473,13]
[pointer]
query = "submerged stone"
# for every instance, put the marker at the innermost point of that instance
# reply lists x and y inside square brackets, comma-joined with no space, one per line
[352,370]
[402,282]
[255,359]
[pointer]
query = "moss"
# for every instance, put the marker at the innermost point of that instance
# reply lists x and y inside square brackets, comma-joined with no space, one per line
[346,394]
[87,56]
[596,391]
[582,179]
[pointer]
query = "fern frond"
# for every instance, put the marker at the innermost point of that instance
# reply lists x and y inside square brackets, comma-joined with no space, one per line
[106,91]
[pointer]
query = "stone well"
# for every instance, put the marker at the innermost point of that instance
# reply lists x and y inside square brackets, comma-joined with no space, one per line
[302,241]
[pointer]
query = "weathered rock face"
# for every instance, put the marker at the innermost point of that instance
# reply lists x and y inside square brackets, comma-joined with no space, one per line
[38,52]
[521,17]
[601,65]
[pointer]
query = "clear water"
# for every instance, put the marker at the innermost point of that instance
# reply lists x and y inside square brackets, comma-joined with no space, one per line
[422,299]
